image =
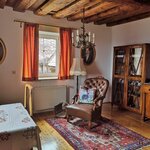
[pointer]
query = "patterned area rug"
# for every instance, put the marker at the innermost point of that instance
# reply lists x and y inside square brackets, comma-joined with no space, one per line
[107,136]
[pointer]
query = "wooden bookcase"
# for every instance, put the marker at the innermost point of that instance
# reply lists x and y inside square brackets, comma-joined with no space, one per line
[131,69]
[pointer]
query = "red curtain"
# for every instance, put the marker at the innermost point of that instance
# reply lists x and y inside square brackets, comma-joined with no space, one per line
[30,52]
[65,53]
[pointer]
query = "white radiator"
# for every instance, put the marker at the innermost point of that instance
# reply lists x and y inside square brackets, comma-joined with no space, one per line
[46,97]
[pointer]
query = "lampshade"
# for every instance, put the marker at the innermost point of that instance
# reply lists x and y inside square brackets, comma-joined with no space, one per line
[77,67]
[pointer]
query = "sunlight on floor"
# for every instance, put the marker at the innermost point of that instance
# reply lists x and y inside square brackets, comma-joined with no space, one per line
[50,146]
[51,139]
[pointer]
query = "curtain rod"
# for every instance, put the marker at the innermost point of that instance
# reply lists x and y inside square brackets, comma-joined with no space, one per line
[20,21]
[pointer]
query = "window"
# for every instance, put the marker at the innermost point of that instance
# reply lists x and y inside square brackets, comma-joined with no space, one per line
[41,56]
[48,54]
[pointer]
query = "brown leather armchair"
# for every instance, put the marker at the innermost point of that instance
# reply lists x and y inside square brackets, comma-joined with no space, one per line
[90,112]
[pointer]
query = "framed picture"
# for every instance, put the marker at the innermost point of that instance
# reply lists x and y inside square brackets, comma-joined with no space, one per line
[88,55]
[2,51]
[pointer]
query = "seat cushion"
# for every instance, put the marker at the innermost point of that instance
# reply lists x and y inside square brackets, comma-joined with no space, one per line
[80,110]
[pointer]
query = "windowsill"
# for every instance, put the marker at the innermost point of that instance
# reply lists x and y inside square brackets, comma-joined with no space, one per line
[47,78]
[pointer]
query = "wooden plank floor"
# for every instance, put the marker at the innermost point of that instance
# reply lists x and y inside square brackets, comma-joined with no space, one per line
[128,119]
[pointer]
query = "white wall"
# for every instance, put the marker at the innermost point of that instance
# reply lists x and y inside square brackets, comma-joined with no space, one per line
[11,85]
[131,33]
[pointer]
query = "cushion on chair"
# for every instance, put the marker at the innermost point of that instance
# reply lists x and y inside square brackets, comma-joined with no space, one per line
[86,95]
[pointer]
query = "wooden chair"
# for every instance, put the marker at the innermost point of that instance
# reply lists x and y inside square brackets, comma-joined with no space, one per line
[90,112]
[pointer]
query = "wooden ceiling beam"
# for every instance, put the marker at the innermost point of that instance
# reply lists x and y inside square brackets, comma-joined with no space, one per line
[52,5]
[23,5]
[74,8]
[94,10]
[129,19]
[93,3]
[108,13]
[127,14]
[127,2]
[2,3]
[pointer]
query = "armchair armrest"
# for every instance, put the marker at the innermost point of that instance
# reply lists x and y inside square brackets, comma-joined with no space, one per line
[98,98]
[98,102]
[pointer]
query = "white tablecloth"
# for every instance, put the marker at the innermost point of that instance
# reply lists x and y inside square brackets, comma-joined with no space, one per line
[17,129]
[14,117]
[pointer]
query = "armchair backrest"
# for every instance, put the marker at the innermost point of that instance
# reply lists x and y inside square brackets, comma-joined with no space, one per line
[100,83]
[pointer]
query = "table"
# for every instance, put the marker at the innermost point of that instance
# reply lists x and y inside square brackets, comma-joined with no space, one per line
[145,91]
[17,129]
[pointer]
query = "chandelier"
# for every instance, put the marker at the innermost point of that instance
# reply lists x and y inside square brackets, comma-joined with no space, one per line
[82,39]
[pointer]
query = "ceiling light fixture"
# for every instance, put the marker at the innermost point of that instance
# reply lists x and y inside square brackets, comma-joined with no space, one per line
[81,39]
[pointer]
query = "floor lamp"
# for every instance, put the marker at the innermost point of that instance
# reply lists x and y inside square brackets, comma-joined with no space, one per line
[77,69]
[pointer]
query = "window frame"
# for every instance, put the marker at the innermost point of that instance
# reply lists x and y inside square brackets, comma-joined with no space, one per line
[55,36]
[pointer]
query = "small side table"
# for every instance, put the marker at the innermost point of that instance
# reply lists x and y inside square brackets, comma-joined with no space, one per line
[145,101]
[17,129]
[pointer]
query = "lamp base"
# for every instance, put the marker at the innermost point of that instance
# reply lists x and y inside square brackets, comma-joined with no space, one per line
[77,86]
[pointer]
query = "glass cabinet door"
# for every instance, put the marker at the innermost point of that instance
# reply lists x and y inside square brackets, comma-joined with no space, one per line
[119,63]
[135,61]
[133,94]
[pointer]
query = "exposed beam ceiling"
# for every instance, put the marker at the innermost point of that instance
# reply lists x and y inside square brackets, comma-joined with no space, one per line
[94,10]
[109,12]
[74,8]
[125,16]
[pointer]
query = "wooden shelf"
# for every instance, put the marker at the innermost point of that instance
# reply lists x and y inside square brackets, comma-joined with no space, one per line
[134,78]
[119,76]
[134,95]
